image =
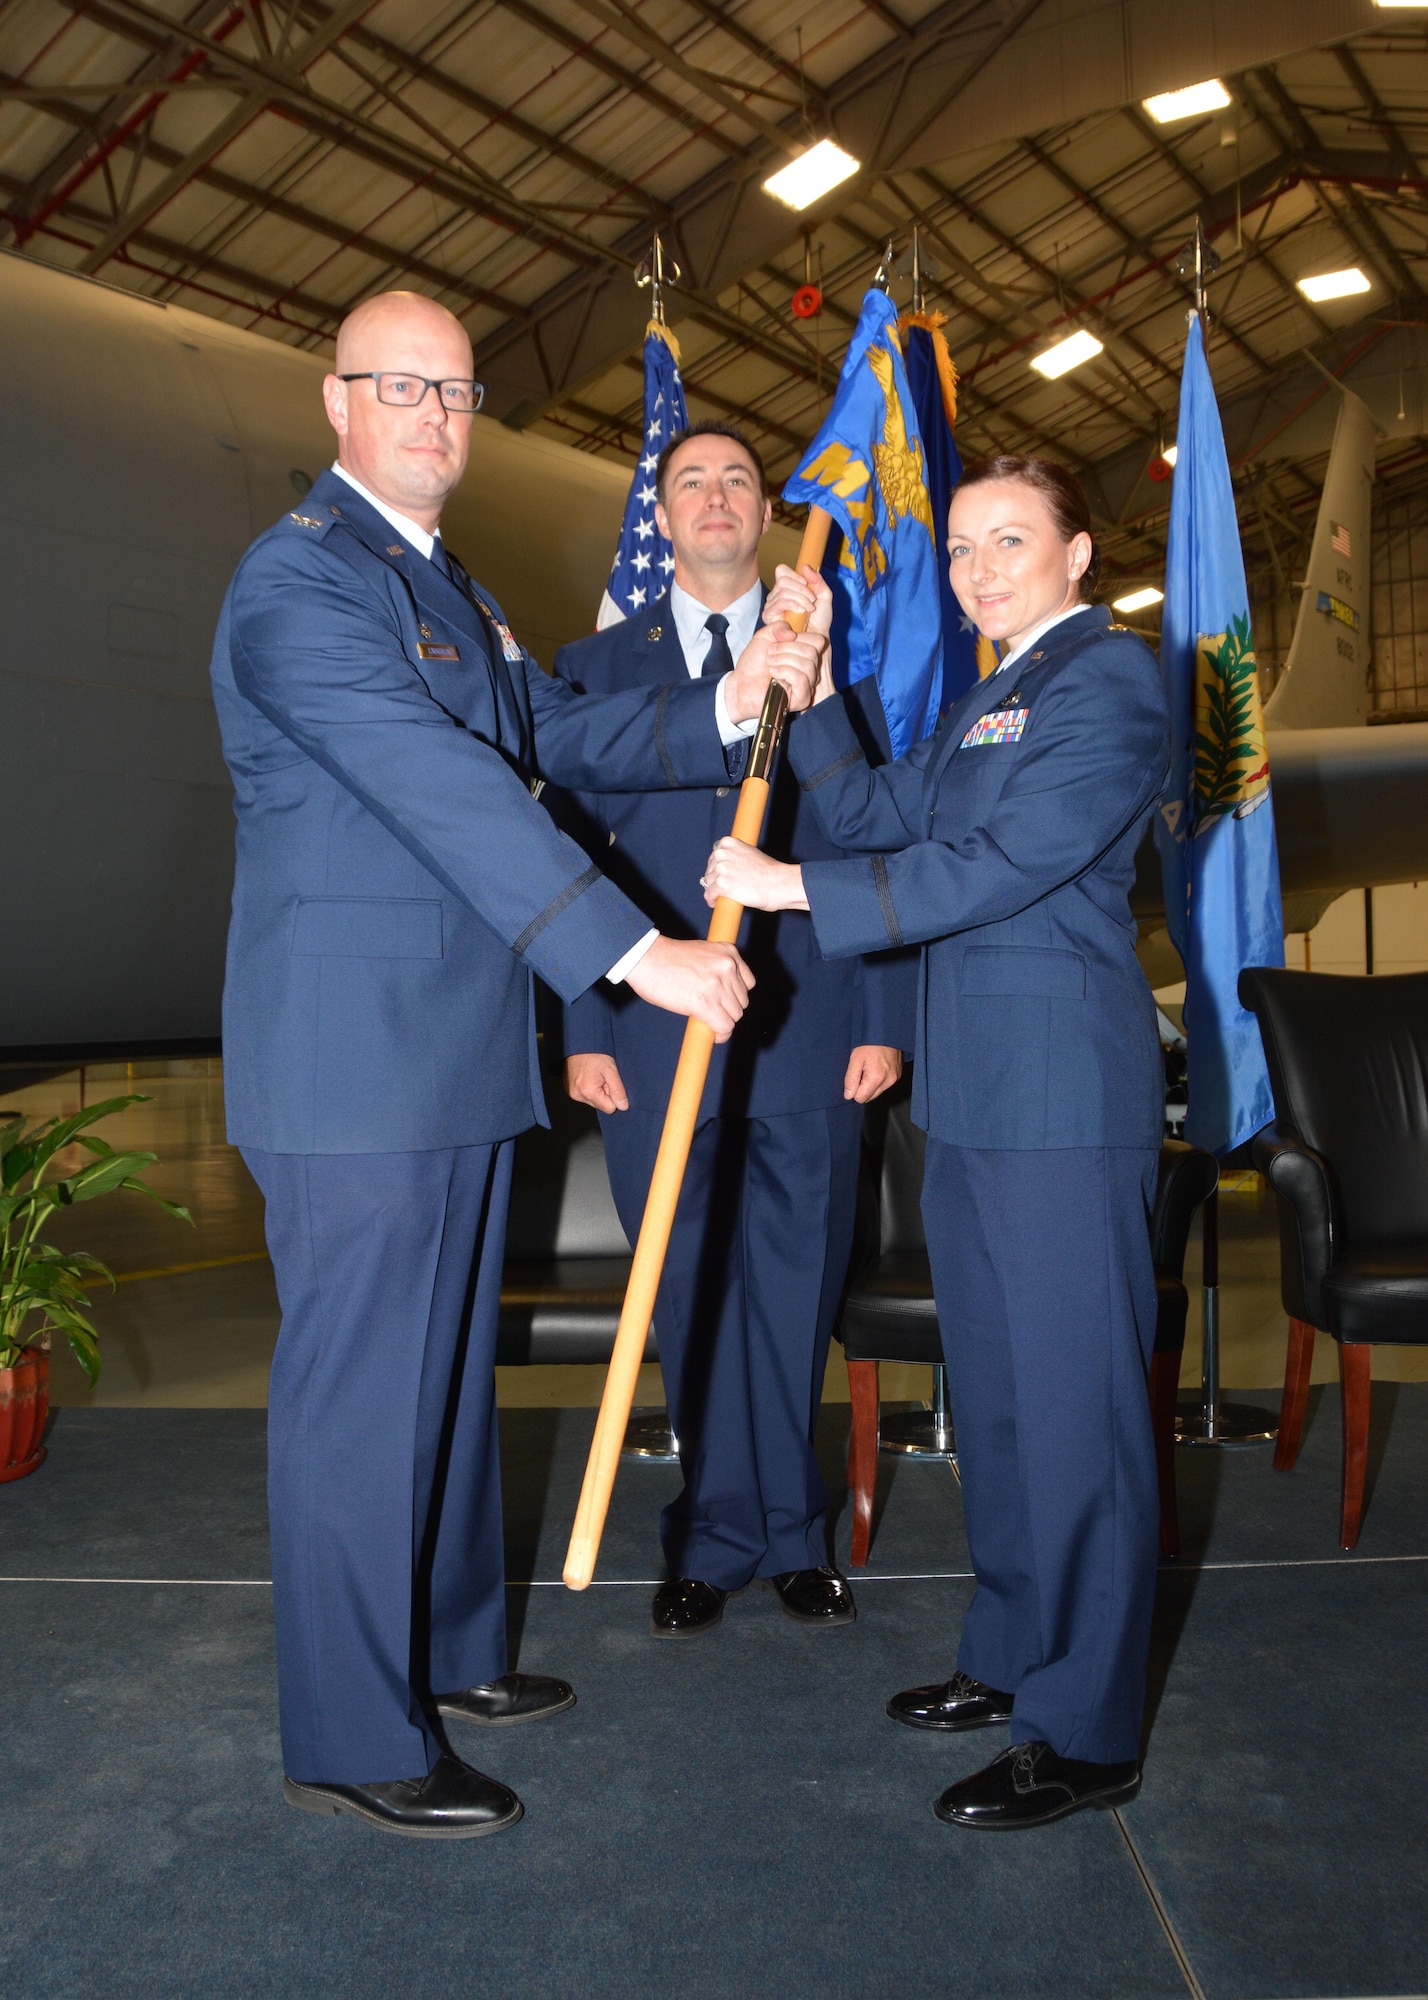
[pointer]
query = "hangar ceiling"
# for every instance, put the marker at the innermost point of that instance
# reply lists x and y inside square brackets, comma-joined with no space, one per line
[272,161]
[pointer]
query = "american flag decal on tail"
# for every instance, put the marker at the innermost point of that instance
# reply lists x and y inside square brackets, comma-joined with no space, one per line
[1340,541]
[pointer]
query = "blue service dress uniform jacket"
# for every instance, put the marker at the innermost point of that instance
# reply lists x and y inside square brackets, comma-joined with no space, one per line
[807,1012]
[765,1221]
[397,885]
[397,889]
[1006,846]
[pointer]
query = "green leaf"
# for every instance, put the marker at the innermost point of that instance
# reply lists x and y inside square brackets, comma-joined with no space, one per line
[175,1208]
[43,1198]
[17,1163]
[92,1143]
[73,1260]
[85,1344]
[51,1138]
[104,1176]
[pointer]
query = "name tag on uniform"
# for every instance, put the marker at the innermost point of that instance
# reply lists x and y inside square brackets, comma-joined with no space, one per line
[1000,725]
[426,652]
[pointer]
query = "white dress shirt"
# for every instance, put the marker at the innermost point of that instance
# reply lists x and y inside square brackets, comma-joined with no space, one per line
[1037,632]
[421,539]
[695,639]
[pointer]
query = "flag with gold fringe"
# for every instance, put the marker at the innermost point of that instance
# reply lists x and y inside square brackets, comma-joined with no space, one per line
[644,559]
[966,653]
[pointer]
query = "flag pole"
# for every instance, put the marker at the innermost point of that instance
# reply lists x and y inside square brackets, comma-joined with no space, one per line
[667,1180]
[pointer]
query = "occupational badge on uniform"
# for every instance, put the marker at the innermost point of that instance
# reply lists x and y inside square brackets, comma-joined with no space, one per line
[426,652]
[654,635]
[510,644]
[425,631]
[999,725]
[307,521]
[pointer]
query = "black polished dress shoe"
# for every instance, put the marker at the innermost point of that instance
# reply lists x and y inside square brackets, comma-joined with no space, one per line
[816,1596]
[452,1802]
[513,1698]
[1029,1785]
[684,1606]
[960,1703]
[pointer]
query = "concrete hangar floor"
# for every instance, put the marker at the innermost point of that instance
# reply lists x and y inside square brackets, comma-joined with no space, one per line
[731,1818]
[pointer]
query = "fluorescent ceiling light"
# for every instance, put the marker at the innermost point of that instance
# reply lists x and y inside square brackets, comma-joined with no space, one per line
[1138,600]
[1333,284]
[1066,354]
[1188,103]
[803,180]
[1171,453]
[1400,3]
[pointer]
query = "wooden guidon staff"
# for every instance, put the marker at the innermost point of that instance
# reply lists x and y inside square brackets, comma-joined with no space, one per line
[675,1141]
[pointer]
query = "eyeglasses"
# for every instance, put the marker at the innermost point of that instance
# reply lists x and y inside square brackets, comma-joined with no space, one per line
[458,393]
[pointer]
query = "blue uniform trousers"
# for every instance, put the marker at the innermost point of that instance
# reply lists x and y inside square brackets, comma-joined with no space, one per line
[755,1268]
[384,1492]
[1046,1298]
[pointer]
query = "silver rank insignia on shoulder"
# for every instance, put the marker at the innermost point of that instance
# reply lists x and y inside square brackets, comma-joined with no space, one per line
[306,521]
[655,634]
[395,549]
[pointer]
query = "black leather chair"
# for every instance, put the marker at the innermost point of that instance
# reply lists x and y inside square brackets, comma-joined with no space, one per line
[1347,1159]
[889,1313]
[567,1260]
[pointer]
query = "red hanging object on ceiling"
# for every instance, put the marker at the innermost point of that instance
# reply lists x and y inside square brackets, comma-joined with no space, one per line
[807,302]
[1159,468]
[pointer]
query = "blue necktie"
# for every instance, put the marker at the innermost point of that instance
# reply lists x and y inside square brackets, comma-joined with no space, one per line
[718,660]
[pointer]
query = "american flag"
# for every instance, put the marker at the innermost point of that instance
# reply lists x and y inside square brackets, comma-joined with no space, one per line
[644,560]
[1339,540]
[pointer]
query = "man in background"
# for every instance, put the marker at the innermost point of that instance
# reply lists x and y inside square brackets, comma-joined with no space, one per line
[765,1222]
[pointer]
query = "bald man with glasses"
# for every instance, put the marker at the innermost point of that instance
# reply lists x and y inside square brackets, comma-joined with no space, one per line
[398,888]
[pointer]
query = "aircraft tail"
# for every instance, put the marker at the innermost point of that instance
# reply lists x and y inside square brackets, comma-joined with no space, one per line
[1325,684]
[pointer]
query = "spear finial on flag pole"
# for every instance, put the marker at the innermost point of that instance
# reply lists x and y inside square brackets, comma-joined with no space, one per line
[655,272]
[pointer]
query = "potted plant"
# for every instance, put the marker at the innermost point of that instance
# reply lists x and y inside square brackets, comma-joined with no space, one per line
[42,1288]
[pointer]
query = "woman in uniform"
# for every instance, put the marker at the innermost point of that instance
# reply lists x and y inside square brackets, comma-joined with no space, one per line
[1005,845]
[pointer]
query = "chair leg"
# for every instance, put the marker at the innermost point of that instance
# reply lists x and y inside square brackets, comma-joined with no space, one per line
[1297,1363]
[1354,1379]
[862,1454]
[1164,1394]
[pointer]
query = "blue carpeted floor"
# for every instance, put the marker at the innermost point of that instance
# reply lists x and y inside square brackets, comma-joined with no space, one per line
[729,1817]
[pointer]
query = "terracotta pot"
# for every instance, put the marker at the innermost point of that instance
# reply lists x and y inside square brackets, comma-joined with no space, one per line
[24,1406]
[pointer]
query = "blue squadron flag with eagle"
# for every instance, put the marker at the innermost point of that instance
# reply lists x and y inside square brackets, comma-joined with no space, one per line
[644,559]
[868,469]
[1215,828]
